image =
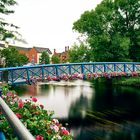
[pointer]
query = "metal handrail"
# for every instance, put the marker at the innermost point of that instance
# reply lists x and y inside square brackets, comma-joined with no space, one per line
[20,130]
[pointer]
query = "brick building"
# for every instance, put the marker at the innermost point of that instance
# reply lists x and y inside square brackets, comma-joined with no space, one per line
[33,53]
[63,56]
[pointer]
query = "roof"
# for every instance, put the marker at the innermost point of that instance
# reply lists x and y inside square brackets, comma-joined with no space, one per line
[20,48]
[17,47]
[40,50]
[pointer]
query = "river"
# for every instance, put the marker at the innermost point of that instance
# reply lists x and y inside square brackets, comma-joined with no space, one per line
[90,111]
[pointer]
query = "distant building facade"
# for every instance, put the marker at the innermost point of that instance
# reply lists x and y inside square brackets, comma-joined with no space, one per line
[33,53]
[63,56]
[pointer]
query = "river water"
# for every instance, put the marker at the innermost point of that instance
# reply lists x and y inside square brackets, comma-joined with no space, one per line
[90,111]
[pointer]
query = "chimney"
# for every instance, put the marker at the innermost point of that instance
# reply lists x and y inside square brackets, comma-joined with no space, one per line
[54,51]
[65,48]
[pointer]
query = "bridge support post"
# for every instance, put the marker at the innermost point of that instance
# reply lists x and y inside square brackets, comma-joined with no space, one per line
[93,68]
[28,76]
[125,68]
[42,73]
[82,71]
[69,69]
[105,68]
[115,68]
[133,67]
[56,70]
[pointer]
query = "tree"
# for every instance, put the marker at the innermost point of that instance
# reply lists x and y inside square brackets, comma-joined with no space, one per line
[4,26]
[79,53]
[112,30]
[23,59]
[44,59]
[13,58]
[55,59]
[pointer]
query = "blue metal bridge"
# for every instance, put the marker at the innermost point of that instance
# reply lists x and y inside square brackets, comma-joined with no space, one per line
[24,74]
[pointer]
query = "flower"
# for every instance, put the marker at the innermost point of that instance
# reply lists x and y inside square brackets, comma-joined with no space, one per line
[18,115]
[42,106]
[55,128]
[20,103]
[55,121]
[38,120]
[39,137]
[9,94]
[64,131]
[34,99]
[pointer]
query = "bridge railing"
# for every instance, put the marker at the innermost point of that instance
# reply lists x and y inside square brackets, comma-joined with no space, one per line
[23,74]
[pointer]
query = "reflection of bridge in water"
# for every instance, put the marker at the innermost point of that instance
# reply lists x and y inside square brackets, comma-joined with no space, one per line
[25,75]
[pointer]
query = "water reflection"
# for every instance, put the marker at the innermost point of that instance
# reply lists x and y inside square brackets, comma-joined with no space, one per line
[94,112]
[60,96]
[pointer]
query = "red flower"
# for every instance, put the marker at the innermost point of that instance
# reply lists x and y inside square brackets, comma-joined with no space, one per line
[34,99]
[42,106]
[20,104]
[64,131]
[18,115]
[38,137]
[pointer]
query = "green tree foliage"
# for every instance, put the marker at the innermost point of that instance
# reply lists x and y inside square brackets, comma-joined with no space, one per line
[55,59]
[44,59]
[79,53]
[113,30]
[13,58]
[6,29]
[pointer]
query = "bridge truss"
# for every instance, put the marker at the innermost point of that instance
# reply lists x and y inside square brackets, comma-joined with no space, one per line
[26,74]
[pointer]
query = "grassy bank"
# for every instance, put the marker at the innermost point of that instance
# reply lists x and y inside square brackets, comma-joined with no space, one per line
[127,81]
[123,81]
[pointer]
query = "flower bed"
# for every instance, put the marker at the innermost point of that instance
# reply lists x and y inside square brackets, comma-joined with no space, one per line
[37,120]
[74,76]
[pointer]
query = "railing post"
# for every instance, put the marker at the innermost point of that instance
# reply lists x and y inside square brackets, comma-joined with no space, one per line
[93,68]
[2,136]
[82,71]
[125,68]
[69,69]
[28,75]
[105,68]
[115,68]
[42,68]
[133,67]
[56,70]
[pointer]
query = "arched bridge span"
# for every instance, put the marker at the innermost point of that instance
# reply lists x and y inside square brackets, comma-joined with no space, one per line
[24,74]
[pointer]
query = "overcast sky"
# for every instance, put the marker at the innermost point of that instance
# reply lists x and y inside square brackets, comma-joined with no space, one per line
[48,23]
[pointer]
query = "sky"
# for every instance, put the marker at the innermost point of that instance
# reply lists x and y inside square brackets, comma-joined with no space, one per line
[48,23]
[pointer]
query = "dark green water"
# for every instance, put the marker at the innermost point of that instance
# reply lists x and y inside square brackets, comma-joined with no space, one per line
[93,112]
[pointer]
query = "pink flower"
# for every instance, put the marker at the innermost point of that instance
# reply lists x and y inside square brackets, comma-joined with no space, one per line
[55,128]
[55,121]
[9,93]
[20,103]
[38,137]
[34,99]
[18,115]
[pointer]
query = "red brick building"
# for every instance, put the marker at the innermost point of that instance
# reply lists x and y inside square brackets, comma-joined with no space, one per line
[63,56]
[33,53]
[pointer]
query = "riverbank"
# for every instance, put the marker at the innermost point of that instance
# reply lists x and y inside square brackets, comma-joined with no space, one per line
[123,81]
[127,81]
